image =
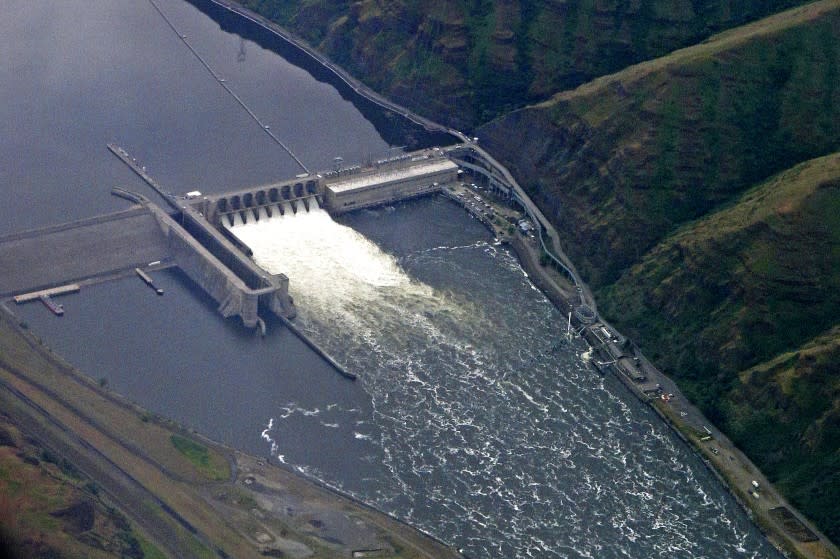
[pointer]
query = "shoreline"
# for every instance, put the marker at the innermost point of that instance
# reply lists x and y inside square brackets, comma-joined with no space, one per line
[74,403]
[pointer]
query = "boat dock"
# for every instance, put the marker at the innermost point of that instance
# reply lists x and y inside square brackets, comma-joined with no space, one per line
[41,294]
[46,295]
[148,281]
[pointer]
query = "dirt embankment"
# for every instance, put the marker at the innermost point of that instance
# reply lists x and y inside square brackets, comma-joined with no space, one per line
[127,483]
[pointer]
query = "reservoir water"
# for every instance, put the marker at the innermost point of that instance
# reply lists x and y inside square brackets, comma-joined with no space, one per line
[472,419]
[78,74]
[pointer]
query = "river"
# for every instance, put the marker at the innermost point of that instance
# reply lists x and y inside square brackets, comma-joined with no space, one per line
[473,417]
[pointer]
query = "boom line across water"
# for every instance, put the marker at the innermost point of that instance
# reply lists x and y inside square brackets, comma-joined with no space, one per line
[265,128]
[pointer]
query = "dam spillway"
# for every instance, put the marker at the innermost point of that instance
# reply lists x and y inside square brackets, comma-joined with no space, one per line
[302,209]
[321,248]
[338,191]
[215,219]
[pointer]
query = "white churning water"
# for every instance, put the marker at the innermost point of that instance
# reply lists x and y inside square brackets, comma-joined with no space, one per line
[330,266]
[494,436]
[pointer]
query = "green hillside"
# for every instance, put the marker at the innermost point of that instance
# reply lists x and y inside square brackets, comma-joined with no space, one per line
[743,284]
[464,62]
[623,161]
[742,307]
[786,413]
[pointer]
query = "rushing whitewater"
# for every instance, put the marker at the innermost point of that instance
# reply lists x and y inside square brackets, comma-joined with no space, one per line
[492,433]
[348,288]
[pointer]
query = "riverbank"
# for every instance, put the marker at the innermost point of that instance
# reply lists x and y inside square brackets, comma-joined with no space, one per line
[788,530]
[342,75]
[183,494]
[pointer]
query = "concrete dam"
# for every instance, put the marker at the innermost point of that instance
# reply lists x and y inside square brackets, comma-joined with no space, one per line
[337,191]
[194,235]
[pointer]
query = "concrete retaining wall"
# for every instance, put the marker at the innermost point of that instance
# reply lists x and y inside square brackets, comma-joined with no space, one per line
[234,297]
[206,270]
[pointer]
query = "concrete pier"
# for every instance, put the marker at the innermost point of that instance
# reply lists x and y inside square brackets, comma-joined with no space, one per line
[317,349]
[141,172]
[253,202]
[147,279]
[44,261]
[52,292]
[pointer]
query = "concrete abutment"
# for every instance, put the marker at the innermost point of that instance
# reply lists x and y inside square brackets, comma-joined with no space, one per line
[237,285]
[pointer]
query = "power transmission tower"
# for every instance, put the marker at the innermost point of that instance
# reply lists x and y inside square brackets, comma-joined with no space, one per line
[240,57]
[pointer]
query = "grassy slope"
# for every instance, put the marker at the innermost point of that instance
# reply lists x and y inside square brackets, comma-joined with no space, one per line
[743,284]
[464,62]
[786,413]
[47,509]
[627,159]
[742,307]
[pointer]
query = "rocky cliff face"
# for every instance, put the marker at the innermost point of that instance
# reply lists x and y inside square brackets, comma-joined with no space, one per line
[465,62]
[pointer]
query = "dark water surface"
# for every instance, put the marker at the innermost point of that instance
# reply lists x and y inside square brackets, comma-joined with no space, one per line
[78,74]
[471,419]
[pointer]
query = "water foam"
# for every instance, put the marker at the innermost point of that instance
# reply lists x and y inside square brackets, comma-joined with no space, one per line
[491,434]
[314,248]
